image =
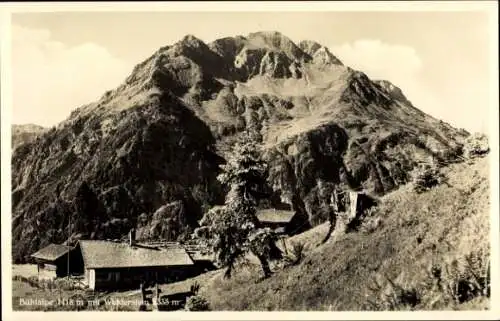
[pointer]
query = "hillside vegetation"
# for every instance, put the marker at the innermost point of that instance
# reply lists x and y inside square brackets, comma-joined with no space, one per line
[433,247]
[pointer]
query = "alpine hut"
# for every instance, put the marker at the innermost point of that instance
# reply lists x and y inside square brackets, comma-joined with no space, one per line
[112,265]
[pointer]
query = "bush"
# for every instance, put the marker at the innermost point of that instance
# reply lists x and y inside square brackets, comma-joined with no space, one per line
[294,256]
[50,284]
[448,284]
[297,252]
[32,280]
[371,222]
[195,288]
[197,303]
[476,145]
[393,297]
[425,176]
[461,279]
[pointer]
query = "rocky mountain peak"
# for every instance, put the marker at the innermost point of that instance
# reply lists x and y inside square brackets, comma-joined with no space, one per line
[325,57]
[318,52]
[275,40]
[190,41]
[228,47]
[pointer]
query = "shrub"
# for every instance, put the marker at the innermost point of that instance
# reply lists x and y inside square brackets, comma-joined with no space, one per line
[393,296]
[425,176]
[371,224]
[19,278]
[294,255]
[195,288]
[476,145]
[50,284]
[197,303]
[462,279]
[32,280]
[297,252]
[367,221]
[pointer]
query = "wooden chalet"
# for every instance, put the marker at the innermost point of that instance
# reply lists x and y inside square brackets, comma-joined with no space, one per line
[112,265]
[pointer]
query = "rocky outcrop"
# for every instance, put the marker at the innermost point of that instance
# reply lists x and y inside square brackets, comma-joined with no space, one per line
[300,163]
[169,222]
[273,40]
[320,54]
[22,134]
[323,56]
[363,91]
[309,46]
[275,64]
[395,92]
[249,60]
[228,47]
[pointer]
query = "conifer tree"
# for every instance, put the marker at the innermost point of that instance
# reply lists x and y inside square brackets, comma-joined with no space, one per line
[232,230]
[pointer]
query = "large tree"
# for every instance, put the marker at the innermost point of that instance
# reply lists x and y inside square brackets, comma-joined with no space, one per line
[232,230]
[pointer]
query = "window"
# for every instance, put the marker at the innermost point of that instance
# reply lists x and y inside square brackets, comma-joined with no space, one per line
[50,267]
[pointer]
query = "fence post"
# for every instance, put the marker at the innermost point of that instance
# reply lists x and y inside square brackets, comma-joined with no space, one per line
[283,240]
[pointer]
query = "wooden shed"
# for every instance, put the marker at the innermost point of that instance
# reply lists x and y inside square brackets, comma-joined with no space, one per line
[281,221]
[55,260]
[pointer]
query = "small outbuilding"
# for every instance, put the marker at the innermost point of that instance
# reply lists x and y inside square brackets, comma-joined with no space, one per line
[55,260]
[281,221]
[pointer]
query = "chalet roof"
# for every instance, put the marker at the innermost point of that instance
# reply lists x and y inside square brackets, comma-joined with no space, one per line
[51,252]
[275,216]
[280,230]
[195,251]
[107,254]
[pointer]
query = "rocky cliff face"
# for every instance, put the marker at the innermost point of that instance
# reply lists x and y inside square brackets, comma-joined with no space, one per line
[319,53]
[100,169]
[146,154]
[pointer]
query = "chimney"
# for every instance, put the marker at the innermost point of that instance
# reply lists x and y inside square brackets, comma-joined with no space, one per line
[131,237]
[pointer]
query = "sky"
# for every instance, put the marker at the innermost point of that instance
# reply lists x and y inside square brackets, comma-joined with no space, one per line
[62,60]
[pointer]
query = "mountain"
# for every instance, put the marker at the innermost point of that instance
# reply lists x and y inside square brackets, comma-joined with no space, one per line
[146,154]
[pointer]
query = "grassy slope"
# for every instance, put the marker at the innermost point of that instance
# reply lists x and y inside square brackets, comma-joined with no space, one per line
[450,221]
